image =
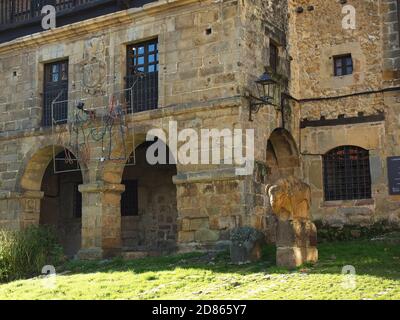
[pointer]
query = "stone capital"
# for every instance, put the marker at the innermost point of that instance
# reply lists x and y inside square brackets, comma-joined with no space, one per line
[101,186]
[33,194]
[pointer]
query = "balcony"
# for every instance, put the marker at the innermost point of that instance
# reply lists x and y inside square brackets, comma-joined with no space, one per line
[23,17]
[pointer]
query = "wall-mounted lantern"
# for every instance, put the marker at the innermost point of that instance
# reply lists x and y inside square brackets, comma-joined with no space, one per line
[267,91]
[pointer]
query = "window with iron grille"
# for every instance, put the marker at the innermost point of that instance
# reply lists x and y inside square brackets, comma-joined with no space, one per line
[55,85]
[129,198]
[347,174]
[273,57]
[343,65]
[142,76]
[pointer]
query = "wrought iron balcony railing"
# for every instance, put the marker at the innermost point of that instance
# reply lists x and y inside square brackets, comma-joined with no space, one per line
[23,17]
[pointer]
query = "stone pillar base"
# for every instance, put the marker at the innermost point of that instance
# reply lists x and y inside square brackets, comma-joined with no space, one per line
[30,204]
[292,257]
[101,220]
[296,243]
[90,254]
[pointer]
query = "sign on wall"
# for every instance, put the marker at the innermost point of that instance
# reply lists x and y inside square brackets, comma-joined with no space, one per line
[394,175]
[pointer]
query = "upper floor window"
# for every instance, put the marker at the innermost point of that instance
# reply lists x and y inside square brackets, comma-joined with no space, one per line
[142,76]
[273,57]
[343,65]
[347,174]
[55,93]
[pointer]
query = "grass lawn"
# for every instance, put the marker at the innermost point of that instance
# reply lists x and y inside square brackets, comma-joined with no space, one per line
[199,276]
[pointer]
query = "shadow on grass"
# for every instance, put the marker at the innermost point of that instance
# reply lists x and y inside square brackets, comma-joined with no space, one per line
[374,258]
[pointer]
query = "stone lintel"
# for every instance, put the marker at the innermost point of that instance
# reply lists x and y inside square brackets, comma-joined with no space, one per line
[207,176]
[101,186]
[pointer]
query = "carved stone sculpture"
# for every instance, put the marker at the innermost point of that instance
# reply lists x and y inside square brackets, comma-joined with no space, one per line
[296,238]
[94,66]
[290,199]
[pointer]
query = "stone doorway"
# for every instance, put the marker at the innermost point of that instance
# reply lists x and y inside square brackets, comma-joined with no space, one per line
[61,205]
[282,155]
[148,205]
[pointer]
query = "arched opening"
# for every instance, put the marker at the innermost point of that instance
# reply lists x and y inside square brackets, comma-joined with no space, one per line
[347,174]
[61,205]
[282,155]
[148,205]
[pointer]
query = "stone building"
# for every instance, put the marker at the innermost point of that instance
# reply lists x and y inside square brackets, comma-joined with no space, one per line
[346,81]
[77,102]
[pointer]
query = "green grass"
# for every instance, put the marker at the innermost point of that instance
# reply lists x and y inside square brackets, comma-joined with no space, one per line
[196,276]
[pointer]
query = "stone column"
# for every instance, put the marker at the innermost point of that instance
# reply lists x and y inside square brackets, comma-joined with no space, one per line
[296,243]
[296,235]
[101,220]
[30,208]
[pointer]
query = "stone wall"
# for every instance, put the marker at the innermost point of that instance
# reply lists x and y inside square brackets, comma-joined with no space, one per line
[374,46]
[210,53]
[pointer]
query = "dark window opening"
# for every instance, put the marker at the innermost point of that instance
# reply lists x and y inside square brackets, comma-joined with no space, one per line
[55,93]
[343,65]
[273,57]
[142,76]
[347,174]
[129,198]
[77,199]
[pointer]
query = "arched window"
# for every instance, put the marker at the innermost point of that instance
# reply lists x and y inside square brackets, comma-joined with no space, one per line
[347,174]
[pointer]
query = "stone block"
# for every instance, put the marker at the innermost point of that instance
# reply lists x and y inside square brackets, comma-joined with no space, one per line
[206,235]
[299,233]
[134,255]
[244,253]
[186,236]
[288,257]
[246,243]
[199,223]
[292,257]
[90,254]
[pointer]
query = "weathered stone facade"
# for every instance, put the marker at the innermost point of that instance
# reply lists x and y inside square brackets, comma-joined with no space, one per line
[210,54]
[371,90]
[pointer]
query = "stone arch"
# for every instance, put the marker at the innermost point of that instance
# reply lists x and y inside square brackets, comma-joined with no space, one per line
[111,171]
[282,155]
[49,198]
[149,213]
[154,226]
[35,164]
